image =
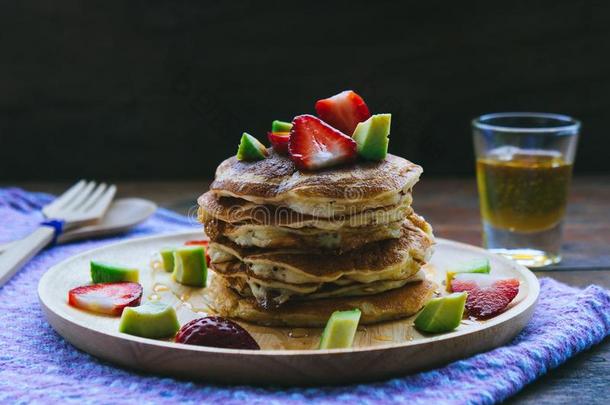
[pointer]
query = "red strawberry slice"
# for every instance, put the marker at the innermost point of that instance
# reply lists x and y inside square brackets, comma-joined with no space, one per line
[203,242]
[106,298]
[343,111]
[487,295]
[279,141]
[314,144]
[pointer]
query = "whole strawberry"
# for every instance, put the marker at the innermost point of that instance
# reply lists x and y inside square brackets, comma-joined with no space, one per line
[216,331]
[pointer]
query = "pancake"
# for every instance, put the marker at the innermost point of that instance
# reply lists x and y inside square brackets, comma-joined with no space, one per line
[271,293]
[265,236]
[388,305]
[238,211]
[371,263]
[355,188]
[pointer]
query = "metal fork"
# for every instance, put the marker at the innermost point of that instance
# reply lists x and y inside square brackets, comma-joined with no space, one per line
[82,204]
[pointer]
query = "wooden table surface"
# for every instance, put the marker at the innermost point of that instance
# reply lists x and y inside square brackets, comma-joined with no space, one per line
[451,206]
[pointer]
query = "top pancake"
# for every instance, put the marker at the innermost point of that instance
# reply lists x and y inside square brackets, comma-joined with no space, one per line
[275,180]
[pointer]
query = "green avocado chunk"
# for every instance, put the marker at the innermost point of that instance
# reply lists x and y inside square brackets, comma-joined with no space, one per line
[250,148]
[109,273]
[190,267]
[153,319]
[167,259]
[442,314]
[473,266]
[340,330]
[371,136]
[281,126]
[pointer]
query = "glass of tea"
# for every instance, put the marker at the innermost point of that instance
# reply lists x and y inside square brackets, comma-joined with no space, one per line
[524,167]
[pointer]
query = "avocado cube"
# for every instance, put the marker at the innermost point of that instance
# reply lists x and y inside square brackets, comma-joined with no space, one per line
[153,319]
[442,314]
[190,267]
[250,149]
[371,137]
[281,126]
[340,330]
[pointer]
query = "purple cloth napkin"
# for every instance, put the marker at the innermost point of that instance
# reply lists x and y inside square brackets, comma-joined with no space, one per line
[37,365]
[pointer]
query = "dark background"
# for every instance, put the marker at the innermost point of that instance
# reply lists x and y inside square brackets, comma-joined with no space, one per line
[151,89]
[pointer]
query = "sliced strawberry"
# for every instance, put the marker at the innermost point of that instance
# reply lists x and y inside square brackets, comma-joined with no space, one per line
[314,144]
[279,141]
[203,242]
[343,111]
[487,295]
[106,298]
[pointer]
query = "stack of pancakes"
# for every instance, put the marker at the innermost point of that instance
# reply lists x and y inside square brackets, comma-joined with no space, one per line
[290,247]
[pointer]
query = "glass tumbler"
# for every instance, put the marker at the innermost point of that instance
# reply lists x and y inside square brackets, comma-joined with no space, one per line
[524,167]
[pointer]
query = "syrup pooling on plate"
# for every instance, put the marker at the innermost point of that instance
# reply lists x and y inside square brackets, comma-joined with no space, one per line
[160,287]
[298,333]
[191,302]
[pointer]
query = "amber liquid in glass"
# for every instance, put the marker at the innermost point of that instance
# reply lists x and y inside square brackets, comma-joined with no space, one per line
[525,192]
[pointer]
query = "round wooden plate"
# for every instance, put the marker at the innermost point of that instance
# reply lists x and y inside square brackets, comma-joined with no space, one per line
[288,356]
